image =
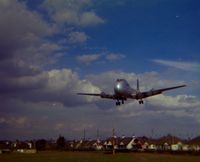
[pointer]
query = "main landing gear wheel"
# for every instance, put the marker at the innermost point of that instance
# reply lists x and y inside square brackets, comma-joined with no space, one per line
[117,103]
[141,102]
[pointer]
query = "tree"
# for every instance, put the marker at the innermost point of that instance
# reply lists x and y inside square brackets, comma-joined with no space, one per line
[41,144]
[60,142]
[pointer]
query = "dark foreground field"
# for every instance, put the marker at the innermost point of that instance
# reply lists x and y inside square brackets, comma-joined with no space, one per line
[96,157]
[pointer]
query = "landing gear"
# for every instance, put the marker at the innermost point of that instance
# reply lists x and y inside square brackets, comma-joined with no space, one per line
[117,103]
[141,102]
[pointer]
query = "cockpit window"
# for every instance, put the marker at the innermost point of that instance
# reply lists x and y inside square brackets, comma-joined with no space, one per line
[119,80]
[124,81]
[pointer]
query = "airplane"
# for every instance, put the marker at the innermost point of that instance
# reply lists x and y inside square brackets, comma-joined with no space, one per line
[123,91]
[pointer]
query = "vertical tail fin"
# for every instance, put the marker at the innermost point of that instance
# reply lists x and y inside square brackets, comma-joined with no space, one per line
[138,85]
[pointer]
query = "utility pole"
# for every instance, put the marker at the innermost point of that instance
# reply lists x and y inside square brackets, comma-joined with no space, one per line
[84,134]
[113,133]
[97,134]
[152,132]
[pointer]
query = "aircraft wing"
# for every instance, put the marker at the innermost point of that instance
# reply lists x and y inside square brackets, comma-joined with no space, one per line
[152,92]
[102,95]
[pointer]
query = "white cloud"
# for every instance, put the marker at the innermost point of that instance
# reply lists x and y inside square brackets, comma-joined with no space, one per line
[59,126]
[106,80]
[53,5]
[66,83]
[14,121]
[49,97]
[54,94]
[177,106]
[90,19]
[18,24]
[114,57]
[69,17]
[58,86]
[77,37]
[186,66]
[147,80]
[174,102]
[72,12]
[23,44]
[88,58]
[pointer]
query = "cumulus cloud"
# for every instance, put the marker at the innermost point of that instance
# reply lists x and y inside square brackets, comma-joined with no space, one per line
[28,92]
[54,94]
[23,32]
[147,80]
[17,121]
[107,79]
[53,6]
[180,105]
[88,58]
[90,18]
[72,12]
[67,83]
[54,85]
[77,37]
[186,66]
[25,51]
[23,46]
[174,102]
[114,57]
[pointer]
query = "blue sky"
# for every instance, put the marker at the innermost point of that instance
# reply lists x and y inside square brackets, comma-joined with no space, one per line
[53,49]
[140,30]
[143,31]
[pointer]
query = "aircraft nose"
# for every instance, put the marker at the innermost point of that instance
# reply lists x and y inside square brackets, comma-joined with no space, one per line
[118,86]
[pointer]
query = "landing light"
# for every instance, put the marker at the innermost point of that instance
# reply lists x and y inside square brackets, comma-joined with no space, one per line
[118,86]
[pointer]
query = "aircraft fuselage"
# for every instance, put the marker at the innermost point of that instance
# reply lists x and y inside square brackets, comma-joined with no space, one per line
[122,90]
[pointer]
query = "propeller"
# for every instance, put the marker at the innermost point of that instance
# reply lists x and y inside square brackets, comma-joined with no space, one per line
[139,95]
[138,86]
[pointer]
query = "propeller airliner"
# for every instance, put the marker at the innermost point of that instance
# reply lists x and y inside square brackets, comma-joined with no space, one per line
[123,91]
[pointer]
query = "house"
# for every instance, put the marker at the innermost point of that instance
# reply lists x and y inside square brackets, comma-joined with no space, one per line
[70,145]
[122,143]
[86,145]
[108,144]
[176,147]
[24,147]
[186,147]
[98,145]
[165,143]
[132,143]
[126,143]
[150,144]
[143,142]
[169,143]
[5,147]
[194,144]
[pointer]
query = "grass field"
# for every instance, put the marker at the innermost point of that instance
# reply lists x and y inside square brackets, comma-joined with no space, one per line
[96,157]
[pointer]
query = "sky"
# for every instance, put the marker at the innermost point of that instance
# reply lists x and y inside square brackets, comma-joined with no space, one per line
[50,50]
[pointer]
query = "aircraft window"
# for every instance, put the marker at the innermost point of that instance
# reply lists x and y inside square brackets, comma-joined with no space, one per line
[119,80]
